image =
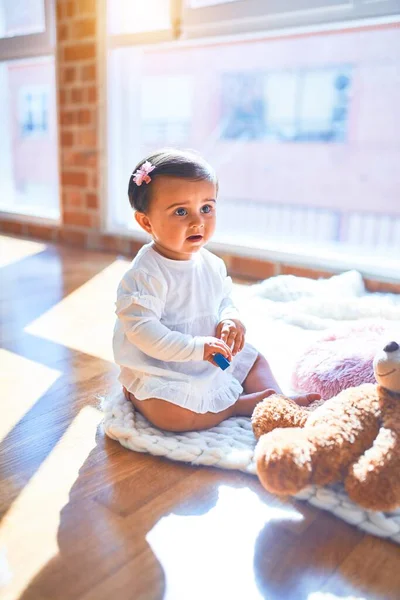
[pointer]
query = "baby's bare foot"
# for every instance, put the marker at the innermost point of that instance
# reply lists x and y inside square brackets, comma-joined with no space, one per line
[247,402]
[305,399]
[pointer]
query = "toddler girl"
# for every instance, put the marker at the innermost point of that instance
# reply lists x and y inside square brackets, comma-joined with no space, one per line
[174,308]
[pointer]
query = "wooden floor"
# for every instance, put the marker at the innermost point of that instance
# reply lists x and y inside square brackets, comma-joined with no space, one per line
[81,517]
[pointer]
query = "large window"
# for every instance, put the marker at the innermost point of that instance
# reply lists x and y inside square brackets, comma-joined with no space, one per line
[303,131]
[28,151]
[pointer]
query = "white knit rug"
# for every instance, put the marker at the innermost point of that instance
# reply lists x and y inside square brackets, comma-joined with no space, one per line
[231,444]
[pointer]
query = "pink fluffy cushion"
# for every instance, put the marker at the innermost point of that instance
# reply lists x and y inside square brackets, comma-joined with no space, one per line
[340,359]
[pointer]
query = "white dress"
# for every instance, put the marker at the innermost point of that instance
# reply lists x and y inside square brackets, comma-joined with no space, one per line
[166,310]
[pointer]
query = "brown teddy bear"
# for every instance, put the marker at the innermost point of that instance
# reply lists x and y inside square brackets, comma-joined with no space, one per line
[354,437]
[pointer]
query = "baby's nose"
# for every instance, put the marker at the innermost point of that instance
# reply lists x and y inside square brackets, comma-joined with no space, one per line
[391,347]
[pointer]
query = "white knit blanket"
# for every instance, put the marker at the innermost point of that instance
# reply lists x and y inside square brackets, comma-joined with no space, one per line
[231,444]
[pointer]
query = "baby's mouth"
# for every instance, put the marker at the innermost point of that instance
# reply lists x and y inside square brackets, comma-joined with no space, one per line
[195,238]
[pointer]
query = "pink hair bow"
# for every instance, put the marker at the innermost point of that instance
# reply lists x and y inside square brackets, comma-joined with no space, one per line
[142,174]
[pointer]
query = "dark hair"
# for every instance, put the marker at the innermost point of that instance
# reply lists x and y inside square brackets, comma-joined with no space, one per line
[183,164]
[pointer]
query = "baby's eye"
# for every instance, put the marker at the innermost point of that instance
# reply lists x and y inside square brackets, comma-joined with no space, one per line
[207,208]
[181,212]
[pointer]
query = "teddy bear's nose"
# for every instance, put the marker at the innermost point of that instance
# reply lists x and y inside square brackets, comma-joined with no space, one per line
[391,347]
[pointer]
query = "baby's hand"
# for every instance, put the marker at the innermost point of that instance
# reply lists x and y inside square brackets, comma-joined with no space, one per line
[212,347]
[232,331]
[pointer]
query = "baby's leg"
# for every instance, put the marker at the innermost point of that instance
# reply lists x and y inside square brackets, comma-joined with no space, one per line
[258,384]
[171,417]
[261,379]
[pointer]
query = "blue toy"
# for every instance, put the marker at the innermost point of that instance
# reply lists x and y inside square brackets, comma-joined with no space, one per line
[221,361]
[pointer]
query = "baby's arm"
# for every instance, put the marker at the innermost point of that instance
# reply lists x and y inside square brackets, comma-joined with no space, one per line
[139,309]
[227,309]
[230,328]
[144,330]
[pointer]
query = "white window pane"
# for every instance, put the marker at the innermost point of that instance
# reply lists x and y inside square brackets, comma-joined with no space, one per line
[280,96]
[20,17]
[136,16]
[28,152]
[167,121]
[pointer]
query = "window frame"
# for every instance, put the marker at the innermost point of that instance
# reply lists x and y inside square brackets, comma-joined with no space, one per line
[26,47]
[32,44]
[220,19]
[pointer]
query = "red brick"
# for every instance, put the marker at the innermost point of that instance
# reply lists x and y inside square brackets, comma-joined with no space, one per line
[250,268]
[69,236]
[67,138]
[68,75]
[113,243]
[42,232]
[67,157]
[88,72]
[92,201]
[305,272]
[80,219]
[373,285]
[62,97]
[86,158]
[79,52]
[69,10]
[62,32]
[84,116]
[86,6]
[68,117]
[91,95]
[12,227]
[106,241]
[85,28]
[72,198]
[59,11]
[91,159]
[77,95]
[94,180]
[86,139]
[77,178]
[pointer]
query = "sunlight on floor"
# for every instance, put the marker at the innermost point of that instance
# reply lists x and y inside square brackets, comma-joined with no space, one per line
[84,320]
[13,249]
[219,541]
[28,532]
[23,382]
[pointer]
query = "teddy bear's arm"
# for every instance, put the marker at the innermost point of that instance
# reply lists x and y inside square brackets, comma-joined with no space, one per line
[374,479]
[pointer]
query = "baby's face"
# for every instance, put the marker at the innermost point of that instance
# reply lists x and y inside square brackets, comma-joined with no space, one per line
[181,216]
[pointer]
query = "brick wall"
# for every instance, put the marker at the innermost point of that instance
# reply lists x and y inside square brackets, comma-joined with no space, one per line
[78,105]
[78,112]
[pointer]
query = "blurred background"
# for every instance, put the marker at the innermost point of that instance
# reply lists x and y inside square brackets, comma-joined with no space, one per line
[296,103]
